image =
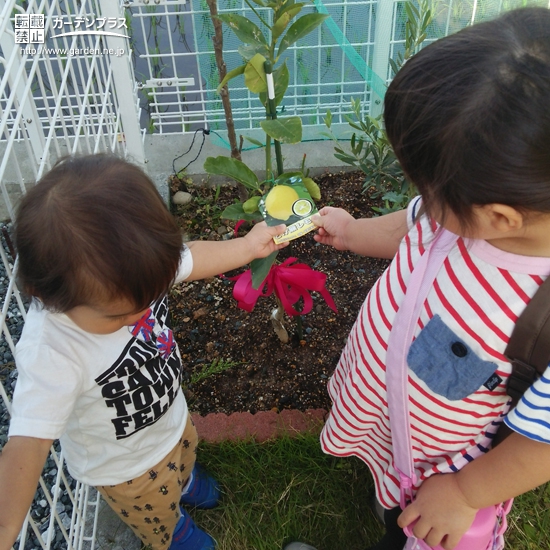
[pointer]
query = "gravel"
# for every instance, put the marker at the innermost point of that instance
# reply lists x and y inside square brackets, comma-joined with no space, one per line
[233,361]
[40,509]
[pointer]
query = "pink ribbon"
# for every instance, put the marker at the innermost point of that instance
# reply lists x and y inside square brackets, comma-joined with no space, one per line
[290,283]
[237,226]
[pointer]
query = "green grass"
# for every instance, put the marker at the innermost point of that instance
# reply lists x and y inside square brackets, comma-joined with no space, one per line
[217,366]
[277,492]
[529,521]
[285,490]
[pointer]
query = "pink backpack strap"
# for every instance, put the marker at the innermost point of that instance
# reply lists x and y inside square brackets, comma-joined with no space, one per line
[400,339]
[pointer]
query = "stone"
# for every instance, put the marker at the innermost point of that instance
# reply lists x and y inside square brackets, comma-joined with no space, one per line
[201,312]
[182,197]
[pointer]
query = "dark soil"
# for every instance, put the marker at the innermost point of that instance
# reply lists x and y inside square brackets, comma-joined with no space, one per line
[233,359]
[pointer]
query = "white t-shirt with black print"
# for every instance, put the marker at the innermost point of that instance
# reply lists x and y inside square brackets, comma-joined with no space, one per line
[114,400]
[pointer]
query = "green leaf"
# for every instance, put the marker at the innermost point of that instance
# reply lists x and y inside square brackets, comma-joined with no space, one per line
[328,119]
[245,30]
[254,74]
[231,74]
[260,269]
[412,12]
[279,7]
[312,188]
[284,19]
[233,168]
[288,6]
[285,130]
[299,29]
[281,78]
[251,205]
[235,212]
[254,141]
[394,67]
[248,51]
[259,2]
[345,158]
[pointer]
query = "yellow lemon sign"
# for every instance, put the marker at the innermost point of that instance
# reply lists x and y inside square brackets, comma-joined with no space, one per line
[279,201]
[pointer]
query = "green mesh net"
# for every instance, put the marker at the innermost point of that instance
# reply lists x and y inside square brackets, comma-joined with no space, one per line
[347,57]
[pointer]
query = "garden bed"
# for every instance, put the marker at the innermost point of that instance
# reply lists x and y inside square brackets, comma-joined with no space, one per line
[233,359]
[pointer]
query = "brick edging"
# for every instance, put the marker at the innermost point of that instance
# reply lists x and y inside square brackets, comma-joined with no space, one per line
[263,425]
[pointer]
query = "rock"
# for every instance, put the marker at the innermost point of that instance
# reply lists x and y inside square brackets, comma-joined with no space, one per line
[200,312]
[182,197]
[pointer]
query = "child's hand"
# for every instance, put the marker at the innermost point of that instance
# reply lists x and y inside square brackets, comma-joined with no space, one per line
[260,239]
[332,224]
[441,512]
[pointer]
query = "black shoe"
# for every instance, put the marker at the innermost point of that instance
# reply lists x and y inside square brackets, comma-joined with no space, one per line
[395,538]
[376,508]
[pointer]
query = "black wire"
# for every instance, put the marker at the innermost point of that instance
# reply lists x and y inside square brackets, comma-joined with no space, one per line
[205,132]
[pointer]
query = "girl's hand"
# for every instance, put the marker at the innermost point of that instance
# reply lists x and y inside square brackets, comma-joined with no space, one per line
[332,224]
[260,239]
[441,512]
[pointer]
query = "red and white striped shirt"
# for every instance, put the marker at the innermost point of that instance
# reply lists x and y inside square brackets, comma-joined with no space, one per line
[479,294]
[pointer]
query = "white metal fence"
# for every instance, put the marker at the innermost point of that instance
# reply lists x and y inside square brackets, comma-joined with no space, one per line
[84,92]
[57,97]
[346,57]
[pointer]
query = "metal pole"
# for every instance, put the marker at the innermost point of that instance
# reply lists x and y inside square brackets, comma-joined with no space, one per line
[124,85]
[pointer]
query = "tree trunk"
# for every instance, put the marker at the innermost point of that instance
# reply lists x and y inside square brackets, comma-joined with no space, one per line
[217,40]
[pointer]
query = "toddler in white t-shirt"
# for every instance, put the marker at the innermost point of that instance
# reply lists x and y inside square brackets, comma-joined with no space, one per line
[98,365]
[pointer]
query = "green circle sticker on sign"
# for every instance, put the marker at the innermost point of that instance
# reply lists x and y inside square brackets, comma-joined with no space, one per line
[302,207]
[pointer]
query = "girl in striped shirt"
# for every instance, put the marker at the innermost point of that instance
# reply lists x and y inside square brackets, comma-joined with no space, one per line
[469,121]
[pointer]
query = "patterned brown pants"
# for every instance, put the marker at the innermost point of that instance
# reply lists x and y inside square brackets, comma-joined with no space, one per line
[149,504]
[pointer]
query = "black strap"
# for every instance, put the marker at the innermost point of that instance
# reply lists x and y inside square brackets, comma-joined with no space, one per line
[528,350]
[529,347]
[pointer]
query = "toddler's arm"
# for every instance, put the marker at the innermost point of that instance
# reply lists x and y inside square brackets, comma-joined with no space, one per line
[446,504]
[376,237]
[214,257]
[21,463]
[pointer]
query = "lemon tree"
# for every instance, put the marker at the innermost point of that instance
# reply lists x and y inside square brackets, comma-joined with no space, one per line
[264,50]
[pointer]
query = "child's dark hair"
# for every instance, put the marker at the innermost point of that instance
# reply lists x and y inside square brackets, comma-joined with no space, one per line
[92,229]
[469,116]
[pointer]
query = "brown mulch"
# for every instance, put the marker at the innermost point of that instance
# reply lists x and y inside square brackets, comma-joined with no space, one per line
[258,372]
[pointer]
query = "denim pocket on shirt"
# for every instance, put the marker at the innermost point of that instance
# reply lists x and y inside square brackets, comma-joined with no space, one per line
[446,363]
